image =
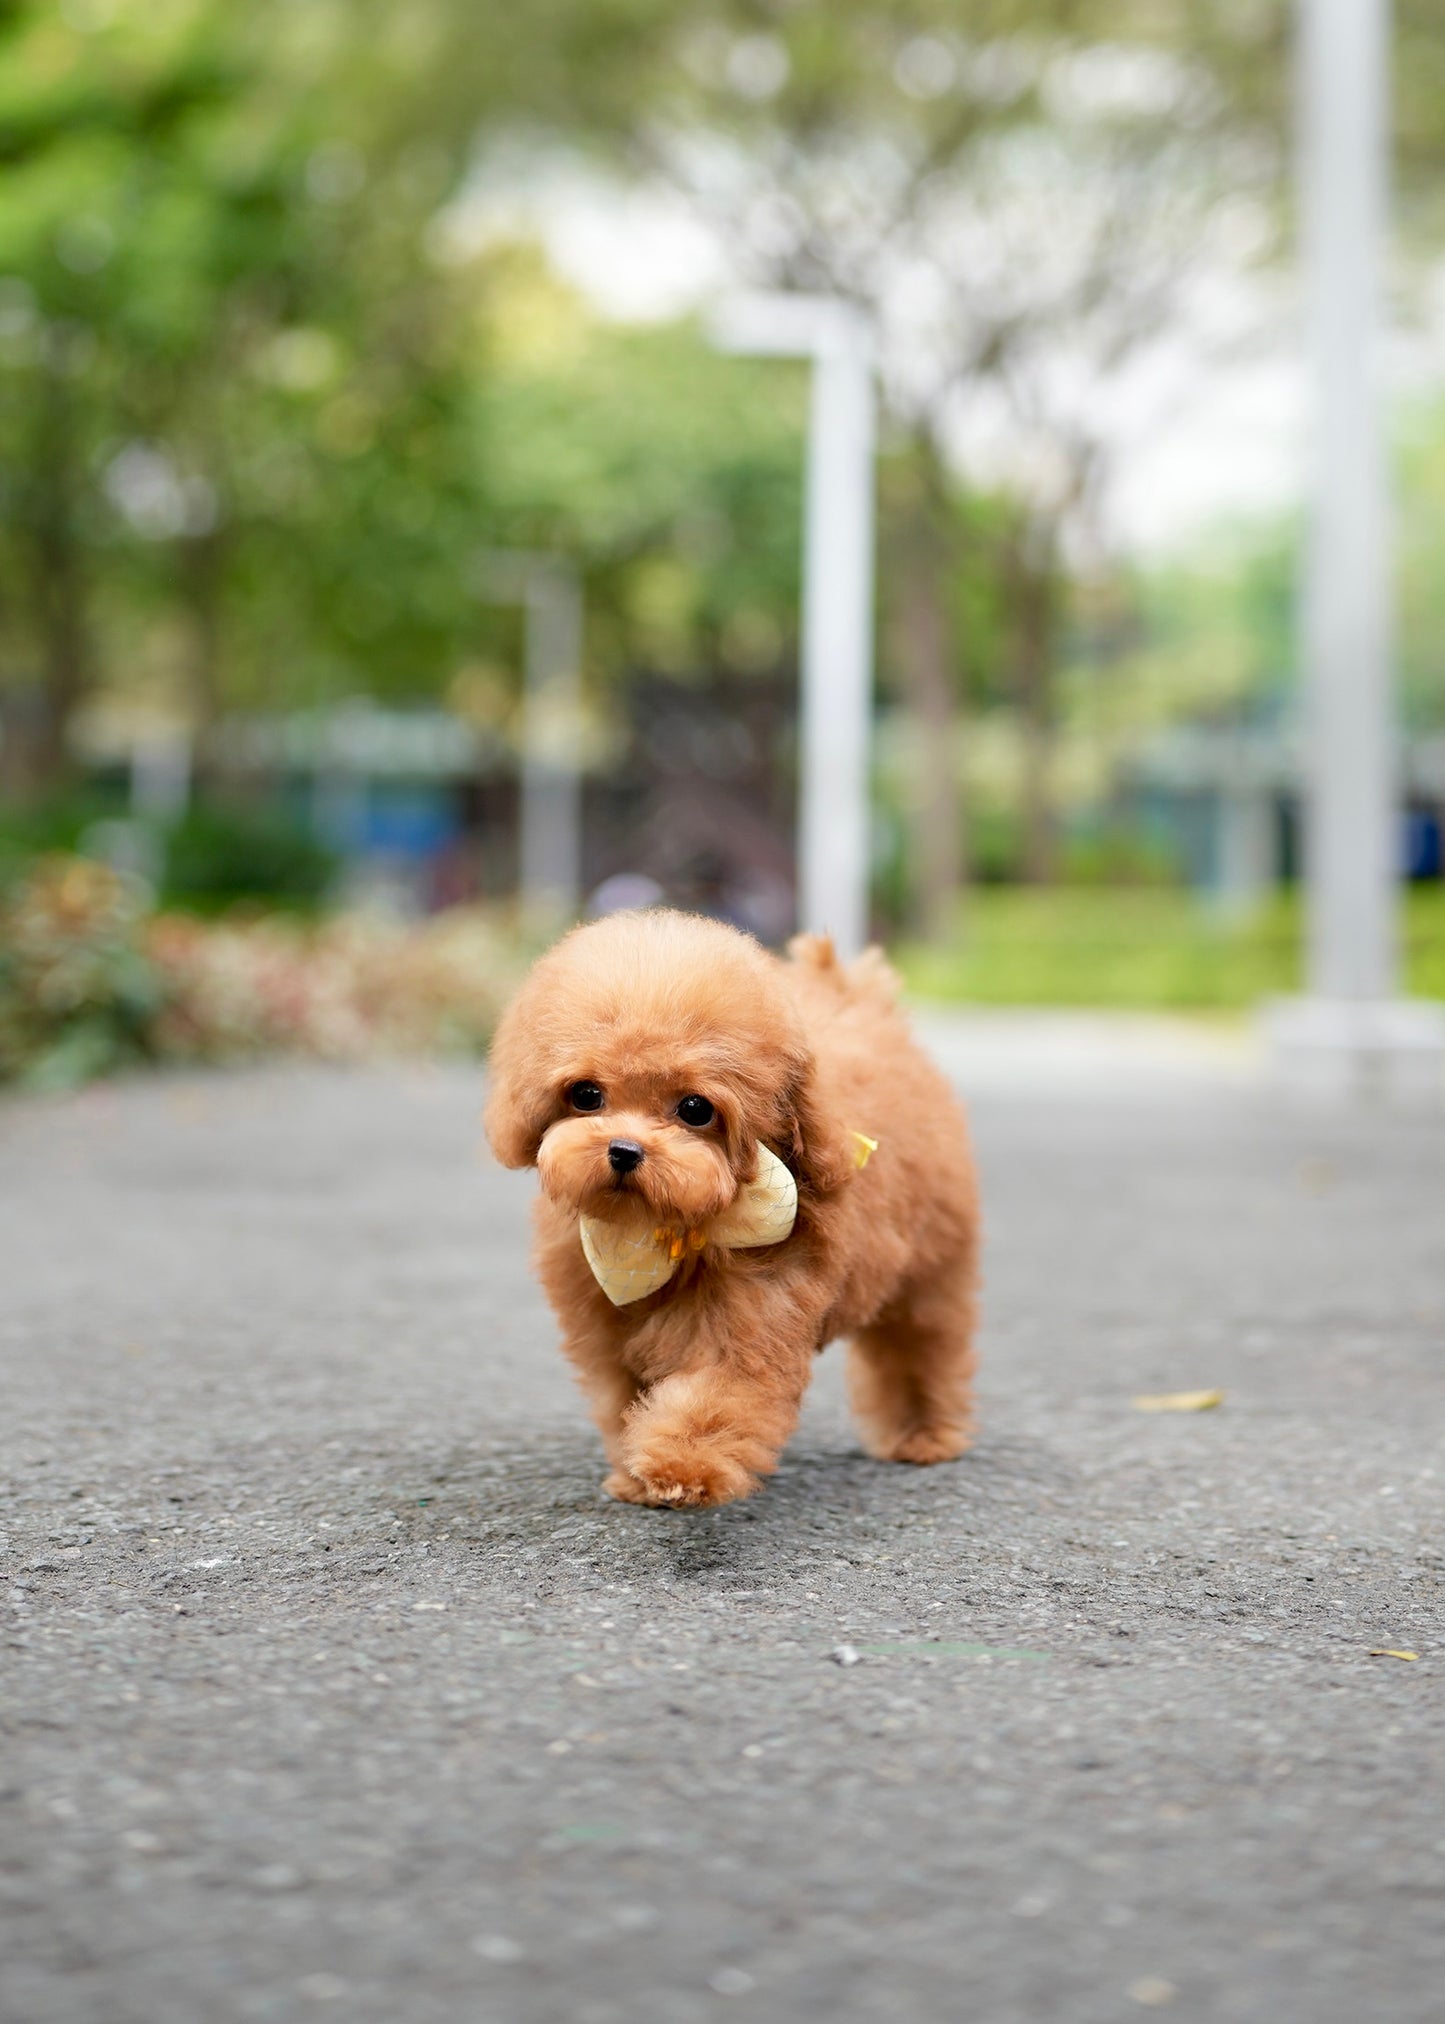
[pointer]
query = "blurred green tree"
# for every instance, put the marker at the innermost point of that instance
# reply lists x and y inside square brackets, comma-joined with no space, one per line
[235,384]
[674,474]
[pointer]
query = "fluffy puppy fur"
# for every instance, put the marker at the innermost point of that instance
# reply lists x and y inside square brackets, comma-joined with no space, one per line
[697,1387]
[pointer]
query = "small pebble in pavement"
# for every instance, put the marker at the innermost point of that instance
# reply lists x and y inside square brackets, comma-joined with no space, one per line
[496,1947]
[1152,1991]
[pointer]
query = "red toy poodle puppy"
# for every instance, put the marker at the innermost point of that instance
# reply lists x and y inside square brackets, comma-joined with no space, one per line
[741,1158]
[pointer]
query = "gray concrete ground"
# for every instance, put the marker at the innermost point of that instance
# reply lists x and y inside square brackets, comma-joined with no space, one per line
[331,1689]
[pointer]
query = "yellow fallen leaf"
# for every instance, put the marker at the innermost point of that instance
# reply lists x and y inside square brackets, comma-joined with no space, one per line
[1386,1653]
[1178,1402]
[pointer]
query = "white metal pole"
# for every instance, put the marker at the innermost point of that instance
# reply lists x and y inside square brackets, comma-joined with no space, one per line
[160,775]
[837,674]
[549,844]
[551,814]
[1352,814]
[1351,1033]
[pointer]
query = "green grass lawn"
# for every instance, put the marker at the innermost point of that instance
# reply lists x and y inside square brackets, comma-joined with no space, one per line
[1140,950]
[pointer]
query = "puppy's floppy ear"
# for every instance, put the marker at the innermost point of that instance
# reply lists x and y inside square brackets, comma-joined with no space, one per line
[821,1147]
[519,1106]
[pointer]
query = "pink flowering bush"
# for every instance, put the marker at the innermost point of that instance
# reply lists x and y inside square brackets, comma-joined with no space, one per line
[346,989]
[91,979]
[78,994]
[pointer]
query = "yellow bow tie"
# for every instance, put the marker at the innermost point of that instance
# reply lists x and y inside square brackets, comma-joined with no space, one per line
[629,1262]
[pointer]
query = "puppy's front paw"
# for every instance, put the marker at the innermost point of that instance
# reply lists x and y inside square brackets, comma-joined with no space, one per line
[624,1486]
[670,1471]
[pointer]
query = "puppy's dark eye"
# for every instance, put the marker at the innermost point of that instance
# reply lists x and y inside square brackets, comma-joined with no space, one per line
[696,1110]
[585,1096]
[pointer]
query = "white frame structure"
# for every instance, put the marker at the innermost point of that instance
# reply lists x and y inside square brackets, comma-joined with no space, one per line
[549,851]
[1353,1030]
[836,701]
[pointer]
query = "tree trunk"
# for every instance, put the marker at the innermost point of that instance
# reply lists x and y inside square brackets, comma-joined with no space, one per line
[1034,592]
[57,591]
[924,647]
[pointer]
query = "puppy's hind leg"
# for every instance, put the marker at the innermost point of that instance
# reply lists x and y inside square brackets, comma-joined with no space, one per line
[910,1374]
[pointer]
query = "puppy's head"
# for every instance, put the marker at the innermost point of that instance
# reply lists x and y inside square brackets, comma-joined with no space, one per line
[642,1062]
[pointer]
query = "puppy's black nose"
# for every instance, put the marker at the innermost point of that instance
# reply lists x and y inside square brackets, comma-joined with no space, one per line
[623,1155]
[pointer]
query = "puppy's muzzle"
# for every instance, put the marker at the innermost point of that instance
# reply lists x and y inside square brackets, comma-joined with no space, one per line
[623,1155]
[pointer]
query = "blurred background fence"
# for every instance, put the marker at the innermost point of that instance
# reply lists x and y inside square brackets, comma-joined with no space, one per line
[310,309]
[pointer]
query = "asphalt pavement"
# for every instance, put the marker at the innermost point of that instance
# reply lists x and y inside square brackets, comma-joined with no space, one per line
[331,1689]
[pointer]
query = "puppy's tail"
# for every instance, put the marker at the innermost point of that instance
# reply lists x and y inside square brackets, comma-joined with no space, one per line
[871,977]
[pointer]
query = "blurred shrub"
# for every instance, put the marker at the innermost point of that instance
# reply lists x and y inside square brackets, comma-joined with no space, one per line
[78,992]
[216,855]
[1108,854]
[343,990]
[995,843]
[91,979]
[1112,857]
[1119,856]
[53,824]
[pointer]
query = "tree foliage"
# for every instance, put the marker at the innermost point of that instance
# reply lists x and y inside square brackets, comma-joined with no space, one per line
[259,414]
[673,473]
[236,386]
